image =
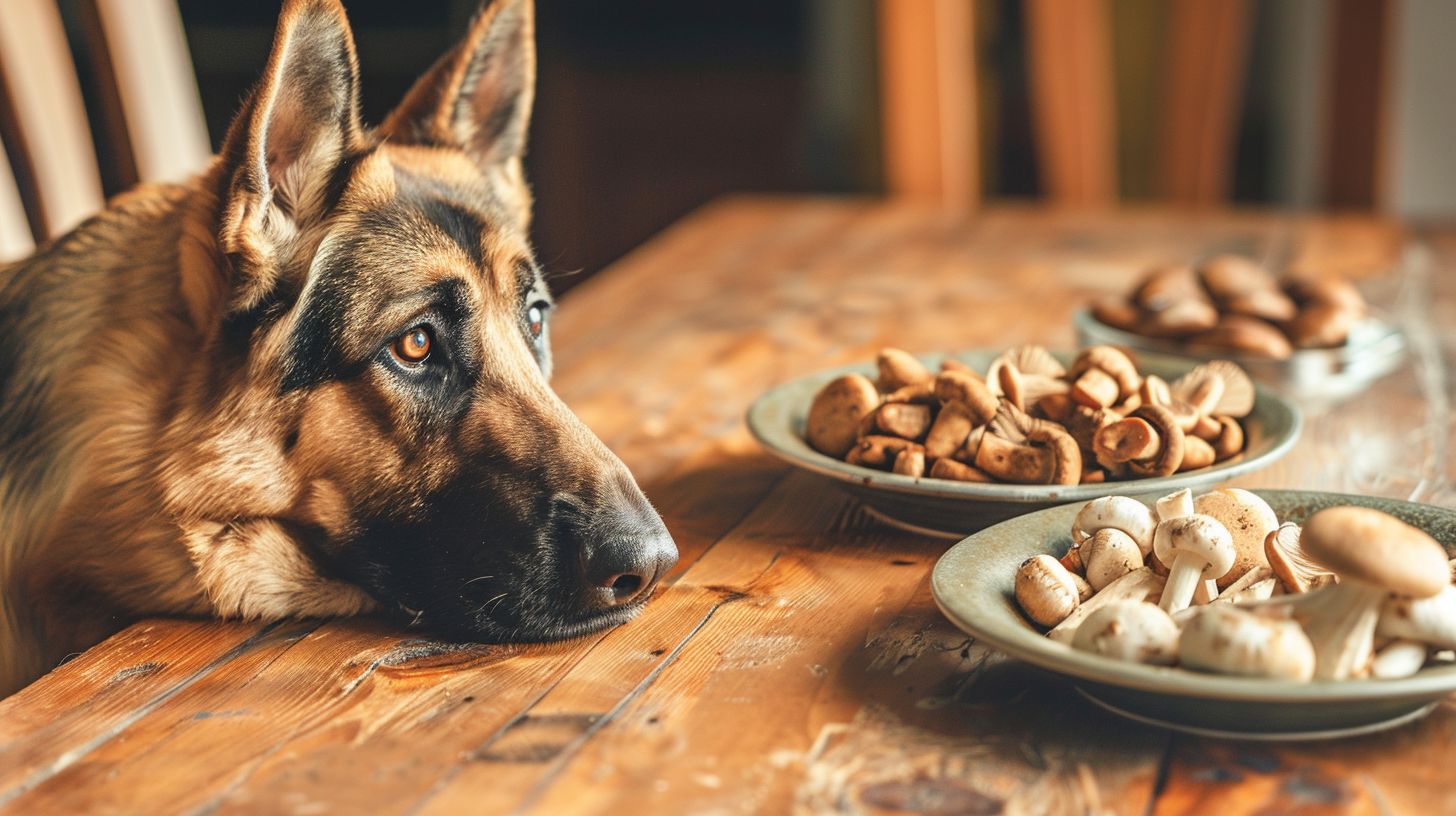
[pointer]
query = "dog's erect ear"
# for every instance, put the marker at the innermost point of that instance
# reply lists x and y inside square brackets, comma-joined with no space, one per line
[478,96]
[294,135]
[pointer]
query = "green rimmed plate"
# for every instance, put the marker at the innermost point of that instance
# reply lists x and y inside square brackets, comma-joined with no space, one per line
[953,509]
[972,583]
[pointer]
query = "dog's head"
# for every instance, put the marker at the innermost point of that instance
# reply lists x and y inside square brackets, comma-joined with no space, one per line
[372,408]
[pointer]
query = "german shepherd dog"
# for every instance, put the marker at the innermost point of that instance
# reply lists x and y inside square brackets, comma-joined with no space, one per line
[313,380]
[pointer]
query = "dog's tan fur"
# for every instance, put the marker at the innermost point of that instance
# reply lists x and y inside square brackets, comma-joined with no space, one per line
[147,465]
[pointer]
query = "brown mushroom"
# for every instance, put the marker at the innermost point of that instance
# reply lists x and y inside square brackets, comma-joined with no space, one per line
[1117,313]
[1321,325]
[910,462]
[957,471]
[949,431]
[1196,454]
[904,419]
[1296,571]
[900,368]
[878,451]
[1244,335]
[1166,285]
[968,390]
[1149,443]
[1230,440]
[1025,450]
[1181,319]
[1112,362]
[834,417]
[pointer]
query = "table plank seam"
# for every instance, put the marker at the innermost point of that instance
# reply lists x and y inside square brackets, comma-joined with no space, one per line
[71,757]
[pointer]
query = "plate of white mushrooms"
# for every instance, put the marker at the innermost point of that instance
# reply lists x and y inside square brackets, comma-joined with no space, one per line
[1259,615]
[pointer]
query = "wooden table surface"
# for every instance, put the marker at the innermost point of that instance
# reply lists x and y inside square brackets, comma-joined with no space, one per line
[794,661]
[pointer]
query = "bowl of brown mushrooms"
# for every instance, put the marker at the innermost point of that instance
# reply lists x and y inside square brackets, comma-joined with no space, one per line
[1257,615]
[948,444]
[1304,334]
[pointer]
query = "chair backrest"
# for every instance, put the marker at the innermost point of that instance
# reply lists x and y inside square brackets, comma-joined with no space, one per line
[141,57]
[928,80]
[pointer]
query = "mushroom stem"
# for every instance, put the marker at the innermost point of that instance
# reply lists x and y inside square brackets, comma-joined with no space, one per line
[1340,621]
[1184,575]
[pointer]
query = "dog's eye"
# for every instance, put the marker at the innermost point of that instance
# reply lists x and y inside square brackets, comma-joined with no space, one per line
[412,347]
[536,318]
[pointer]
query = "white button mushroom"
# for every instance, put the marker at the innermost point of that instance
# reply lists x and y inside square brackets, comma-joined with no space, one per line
[1375,556]
[1225,639]
[1045,590]
[1429,620]
[1138,585]
[1136,631]
[1108,555]
[1195,548]
[1120,513]
[1399,658]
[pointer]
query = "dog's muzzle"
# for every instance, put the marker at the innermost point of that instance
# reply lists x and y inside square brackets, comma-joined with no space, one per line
[623,547]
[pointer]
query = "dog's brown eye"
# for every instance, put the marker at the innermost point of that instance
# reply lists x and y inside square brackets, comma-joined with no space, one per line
[536,319]
[412,347]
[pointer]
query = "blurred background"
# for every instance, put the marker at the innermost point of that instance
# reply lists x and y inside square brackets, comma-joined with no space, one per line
[648,108]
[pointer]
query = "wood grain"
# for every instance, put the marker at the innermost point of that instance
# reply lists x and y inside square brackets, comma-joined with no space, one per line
[794,660]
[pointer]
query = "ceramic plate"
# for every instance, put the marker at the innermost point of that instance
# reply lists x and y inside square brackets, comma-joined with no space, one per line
[973,582]
[1375,348]
[953,509]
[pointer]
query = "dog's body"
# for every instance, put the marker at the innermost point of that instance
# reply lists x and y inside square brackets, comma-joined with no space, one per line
[312,381]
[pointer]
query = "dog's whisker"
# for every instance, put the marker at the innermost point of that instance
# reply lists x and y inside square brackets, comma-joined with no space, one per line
[473,580]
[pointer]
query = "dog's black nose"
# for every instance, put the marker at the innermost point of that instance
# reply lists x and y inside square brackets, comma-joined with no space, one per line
[626,549]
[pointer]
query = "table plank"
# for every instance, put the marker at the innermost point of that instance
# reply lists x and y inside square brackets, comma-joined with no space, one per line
[794,659]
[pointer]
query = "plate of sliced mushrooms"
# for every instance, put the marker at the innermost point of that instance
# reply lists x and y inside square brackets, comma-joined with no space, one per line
[1256,615]
[948,444]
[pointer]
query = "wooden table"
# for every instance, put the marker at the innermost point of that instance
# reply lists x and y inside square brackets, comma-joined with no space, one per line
[794,661]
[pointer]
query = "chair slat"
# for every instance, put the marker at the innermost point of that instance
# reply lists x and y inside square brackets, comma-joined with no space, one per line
[15,237]
[928,100]
[157,86]
[1070,64]
[45,98]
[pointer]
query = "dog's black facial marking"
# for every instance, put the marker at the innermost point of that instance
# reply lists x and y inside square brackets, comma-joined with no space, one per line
[459,224]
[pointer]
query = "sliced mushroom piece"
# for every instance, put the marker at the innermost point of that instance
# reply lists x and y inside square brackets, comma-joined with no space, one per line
[1108,555]
[1112,361]
[1247,581]
[1429,620]
[1195,548]
[1095,388]
[1230,440]
[1375,555]
[1134,631]
[1398,658]
[1129,515]
[900,368]
[1138,585]
[958,472]
[879,451]
[833,423]
[1226,639]
[1296,571]
[1083,424]
[1056,407]
[1045,590]
[1249,520]
[1196,454]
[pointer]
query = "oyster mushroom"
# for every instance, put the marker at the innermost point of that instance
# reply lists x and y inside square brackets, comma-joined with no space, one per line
[1195,548]
[1135,631]
[1108,555]
[1249,520]
[833,423]
[1025,450]
[1374,555]
[1119,513]
[1148,443]
[1225,639]
[1045,590]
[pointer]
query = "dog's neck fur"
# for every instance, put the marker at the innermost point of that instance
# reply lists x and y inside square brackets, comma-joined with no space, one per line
[92,345]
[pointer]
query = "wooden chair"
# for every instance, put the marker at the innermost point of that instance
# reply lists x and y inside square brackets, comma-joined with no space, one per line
[928,80]
[141,54]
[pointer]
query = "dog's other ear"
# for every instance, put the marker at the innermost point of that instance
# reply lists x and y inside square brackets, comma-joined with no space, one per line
[478,96]
[296,133]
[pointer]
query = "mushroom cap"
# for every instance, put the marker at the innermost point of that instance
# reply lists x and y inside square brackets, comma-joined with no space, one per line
[1362,544]
[1249,520]
[1120,513]
[1198,534]
[1045,590]
[1108,555]
[1225,639]
[900,368]
[1136,631]
[1170,455]
[832,425]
